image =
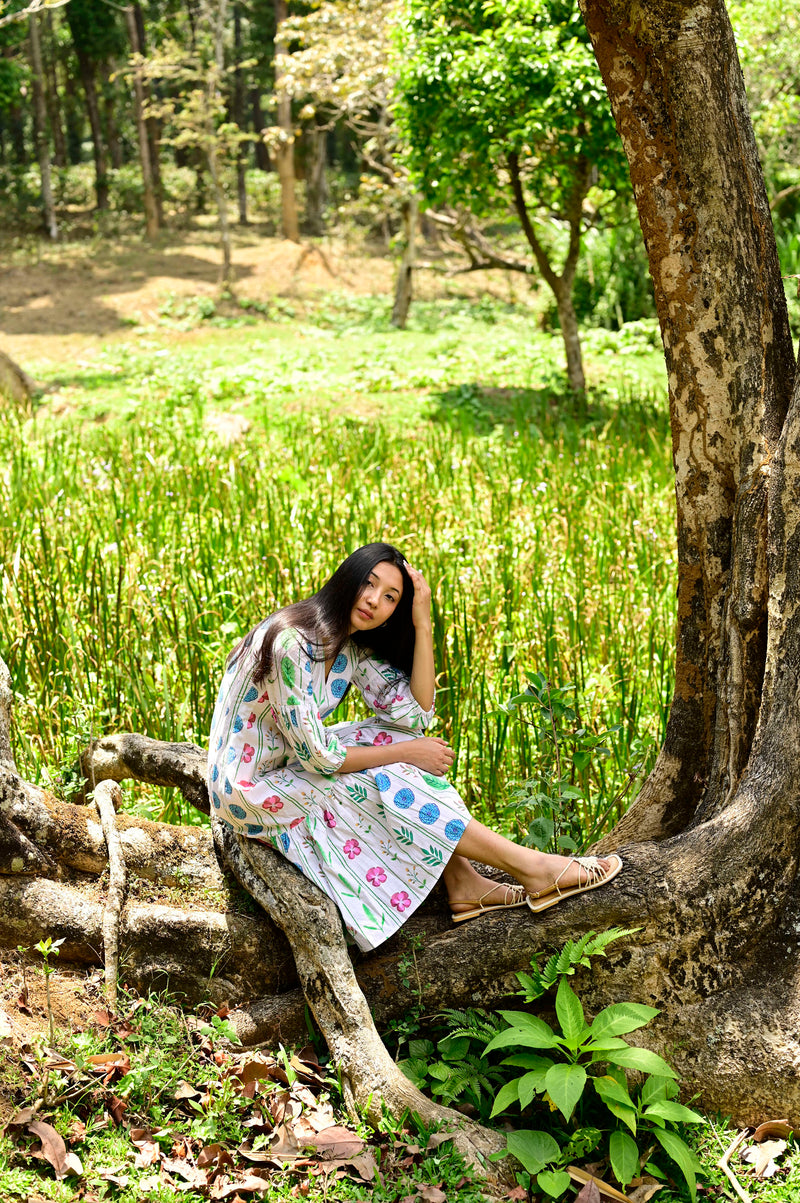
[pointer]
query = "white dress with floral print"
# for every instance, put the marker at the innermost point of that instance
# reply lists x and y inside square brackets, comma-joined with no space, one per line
[375,841]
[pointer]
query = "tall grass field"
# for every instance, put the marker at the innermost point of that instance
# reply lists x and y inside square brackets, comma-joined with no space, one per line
[197,474]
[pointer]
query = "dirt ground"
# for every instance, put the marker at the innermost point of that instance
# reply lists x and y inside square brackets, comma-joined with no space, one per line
[24,1017]
[57,300]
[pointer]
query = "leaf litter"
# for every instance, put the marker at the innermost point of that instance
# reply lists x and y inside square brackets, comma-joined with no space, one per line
[282,1104]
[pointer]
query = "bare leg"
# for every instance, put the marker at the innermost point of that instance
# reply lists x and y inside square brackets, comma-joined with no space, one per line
[536,871]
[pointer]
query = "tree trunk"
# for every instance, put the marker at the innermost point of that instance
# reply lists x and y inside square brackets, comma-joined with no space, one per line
[40,128]
[53,98]
[262,154]
[316,183]
[151,216]
[238,116]
[561,286]
[112,130]
[284,155]
[87,68]
[405,273]
[151,123]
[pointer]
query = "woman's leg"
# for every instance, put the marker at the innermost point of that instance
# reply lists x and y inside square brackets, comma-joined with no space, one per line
[536,871]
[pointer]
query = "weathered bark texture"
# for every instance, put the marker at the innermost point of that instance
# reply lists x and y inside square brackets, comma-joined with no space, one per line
[14,382]
[678,98]
[404,285]
[284,152]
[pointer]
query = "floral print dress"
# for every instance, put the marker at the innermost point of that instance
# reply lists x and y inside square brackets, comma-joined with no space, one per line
[375,841]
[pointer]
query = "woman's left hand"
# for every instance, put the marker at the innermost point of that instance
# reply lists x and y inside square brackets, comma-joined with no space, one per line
[421,604]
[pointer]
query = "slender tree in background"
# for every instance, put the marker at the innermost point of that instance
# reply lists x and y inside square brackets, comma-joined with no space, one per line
[151,214]
[502,104]
[40,127]
[283,133]
[97,37]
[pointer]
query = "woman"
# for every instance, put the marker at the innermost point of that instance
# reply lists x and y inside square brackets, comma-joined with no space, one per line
[363,809]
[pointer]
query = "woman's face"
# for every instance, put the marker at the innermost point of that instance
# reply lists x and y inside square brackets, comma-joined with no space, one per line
[378,599]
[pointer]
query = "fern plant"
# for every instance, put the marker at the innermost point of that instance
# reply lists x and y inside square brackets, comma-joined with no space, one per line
[450,1070]
[564,962]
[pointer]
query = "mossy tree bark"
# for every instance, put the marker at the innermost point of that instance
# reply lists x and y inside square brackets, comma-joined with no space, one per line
[711,847]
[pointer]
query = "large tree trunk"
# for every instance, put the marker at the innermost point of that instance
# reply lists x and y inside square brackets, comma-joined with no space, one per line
[404,284]
[712,881]
[88,72]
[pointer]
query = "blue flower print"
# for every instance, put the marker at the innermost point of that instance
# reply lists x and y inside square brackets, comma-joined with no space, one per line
[251,694]
[293,717]
[285,841]
[403,798]
[454,830]
[339,664]
[254,829]
[214,773]
[228,786]
[231,756]
[215,800]
[238,812]
[382,782]
[338,687]
[238,723]
[429,813]
[220,742]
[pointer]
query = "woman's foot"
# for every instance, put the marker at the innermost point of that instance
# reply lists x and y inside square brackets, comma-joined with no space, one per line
[550,873]
[468,890]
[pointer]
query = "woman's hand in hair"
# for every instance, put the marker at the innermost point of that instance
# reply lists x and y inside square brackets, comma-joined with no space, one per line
[430,754]
[421,603]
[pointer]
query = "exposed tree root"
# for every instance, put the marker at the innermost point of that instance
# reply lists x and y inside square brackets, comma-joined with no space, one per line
[107,798]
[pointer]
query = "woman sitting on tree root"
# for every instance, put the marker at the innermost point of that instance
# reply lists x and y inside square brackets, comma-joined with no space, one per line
[363,809]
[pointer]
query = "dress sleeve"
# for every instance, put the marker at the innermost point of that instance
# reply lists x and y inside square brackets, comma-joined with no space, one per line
[388,694]
[290,689]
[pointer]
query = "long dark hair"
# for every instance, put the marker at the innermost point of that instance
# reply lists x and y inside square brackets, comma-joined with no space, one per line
[324,618]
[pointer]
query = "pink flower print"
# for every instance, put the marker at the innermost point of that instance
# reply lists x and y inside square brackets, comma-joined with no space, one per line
[376,876]
[251,719]
[400,901]
[330,821]
[358,736]
[263,698]
[295,822]
[248,754]
[352,849]
[383,738]
[272,804]
[245,784]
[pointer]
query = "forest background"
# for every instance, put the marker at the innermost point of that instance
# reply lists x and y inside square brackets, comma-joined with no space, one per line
[215,216]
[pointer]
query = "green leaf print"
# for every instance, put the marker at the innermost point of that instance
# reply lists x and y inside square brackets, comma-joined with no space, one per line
[358,792]
[347,887]
[376,921]
[404,836]
[436,782]
[433,856]
[288,671]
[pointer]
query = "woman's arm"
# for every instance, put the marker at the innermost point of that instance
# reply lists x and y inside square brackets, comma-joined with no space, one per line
[429,753]
[423,672]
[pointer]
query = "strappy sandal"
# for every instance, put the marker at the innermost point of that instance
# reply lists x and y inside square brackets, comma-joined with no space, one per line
[480,906]
[596,876]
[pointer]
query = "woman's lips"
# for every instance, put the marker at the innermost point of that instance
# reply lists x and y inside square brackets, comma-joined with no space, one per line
[365,614]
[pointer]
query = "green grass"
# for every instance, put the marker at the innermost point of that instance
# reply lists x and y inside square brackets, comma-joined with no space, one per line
[136,546]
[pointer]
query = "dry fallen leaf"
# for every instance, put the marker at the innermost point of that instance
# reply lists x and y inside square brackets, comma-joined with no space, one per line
[432,1194]
[54,1150]
[762,1158]
[588,1193]
[645,1192]
[772,1127]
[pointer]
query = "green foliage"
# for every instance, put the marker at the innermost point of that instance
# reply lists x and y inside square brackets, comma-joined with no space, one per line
[579,1068]
[571,956]
[568,769]
[452,1069]
[481,80]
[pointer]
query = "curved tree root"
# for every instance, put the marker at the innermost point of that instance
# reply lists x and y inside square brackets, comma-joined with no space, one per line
[372,1083]
[108,797]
